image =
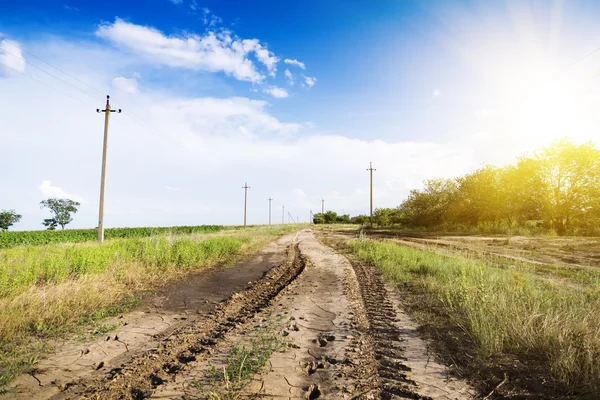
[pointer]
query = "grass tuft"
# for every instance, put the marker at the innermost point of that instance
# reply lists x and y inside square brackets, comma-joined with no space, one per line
[504,311]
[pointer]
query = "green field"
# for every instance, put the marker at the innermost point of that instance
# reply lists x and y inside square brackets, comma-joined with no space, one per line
[19,238]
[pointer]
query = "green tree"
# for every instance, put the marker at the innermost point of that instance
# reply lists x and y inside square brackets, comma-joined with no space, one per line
[62,209]
[570,175]
[343,219]
[359,219]
[318,218]
[8,218]
[428,207]
[384,216]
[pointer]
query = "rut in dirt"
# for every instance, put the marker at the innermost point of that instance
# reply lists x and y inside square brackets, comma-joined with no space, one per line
[387,347]
[138,378]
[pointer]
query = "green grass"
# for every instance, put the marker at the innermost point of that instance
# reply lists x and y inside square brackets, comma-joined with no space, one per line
[20,238]
[53,290]
[243,362]
[24,266]
[503,310]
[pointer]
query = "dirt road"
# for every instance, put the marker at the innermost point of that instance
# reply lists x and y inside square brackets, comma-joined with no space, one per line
[339,330]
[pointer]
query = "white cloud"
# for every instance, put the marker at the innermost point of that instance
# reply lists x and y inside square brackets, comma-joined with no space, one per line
[172,189]
[212,52]
[299,193]
[290,77]
[277,92]
[124,85]
[48,191]
[176,2]
[309,82]
[209,18]
[436,93]
[12,57]
[295,62]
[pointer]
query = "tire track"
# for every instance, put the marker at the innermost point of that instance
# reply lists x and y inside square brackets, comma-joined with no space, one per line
[394,381]
[138,378]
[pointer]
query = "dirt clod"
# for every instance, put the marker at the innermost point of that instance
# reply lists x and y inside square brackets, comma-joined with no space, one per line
[312,392]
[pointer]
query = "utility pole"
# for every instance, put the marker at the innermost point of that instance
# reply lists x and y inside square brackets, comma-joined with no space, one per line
[269,209]
[310,217]
[322,210]
[245,187]
[283,214]
[290,218]
[371,169]
[106,112]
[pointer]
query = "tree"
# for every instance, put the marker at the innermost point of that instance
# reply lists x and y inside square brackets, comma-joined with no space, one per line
[8,218]
[570,174]
[359,219]
[62,209]
[384,216]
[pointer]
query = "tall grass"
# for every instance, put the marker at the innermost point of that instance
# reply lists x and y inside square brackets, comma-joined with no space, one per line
[504,311]
[50,290]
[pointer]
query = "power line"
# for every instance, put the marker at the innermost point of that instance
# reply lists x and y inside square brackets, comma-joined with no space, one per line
[47,63]
[45,84]
[130,115]
[46,72]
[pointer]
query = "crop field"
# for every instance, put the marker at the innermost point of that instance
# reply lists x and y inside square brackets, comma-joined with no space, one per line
[15,238]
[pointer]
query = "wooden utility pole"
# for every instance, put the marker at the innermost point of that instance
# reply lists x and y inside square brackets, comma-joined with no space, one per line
[245,187]
[322,210]
[269,209]
[371,169]
[283,214]
[106,112]
[310,217]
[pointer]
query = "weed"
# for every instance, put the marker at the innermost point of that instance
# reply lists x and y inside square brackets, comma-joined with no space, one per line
[243,362]
[506,311]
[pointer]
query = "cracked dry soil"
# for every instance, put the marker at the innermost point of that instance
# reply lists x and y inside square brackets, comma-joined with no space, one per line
[345,335]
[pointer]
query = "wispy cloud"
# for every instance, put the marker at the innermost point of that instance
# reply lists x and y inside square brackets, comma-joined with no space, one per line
[176,2]
[48,191]
[124,85]
[309,82]
[213,52]
[210,19]
[277,92]
[12,57]
[436,93]
[290,77]
[172,189]
[295,62]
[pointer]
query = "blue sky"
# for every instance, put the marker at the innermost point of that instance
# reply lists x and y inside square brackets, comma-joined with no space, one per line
[294,97]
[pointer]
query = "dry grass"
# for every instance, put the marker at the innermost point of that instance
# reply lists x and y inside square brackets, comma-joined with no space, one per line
[49,291]
[504,311]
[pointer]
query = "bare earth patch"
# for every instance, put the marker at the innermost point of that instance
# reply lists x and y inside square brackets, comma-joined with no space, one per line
[328,329]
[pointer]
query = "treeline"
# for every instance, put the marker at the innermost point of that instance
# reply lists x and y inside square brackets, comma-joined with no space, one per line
[16,238]
[555,190]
